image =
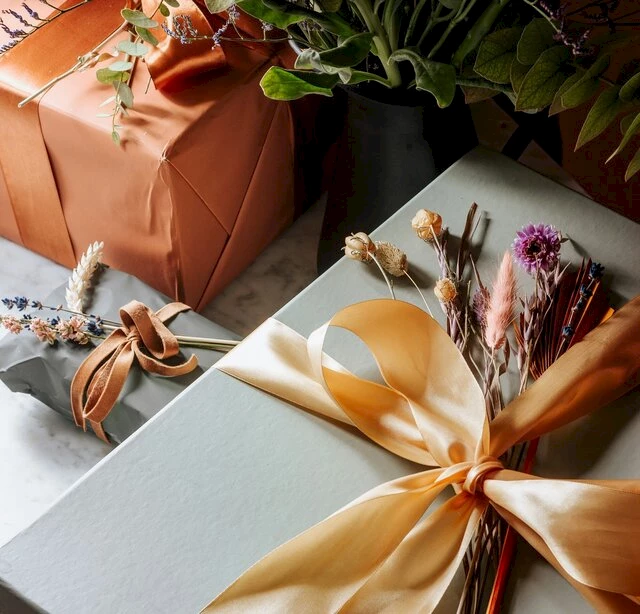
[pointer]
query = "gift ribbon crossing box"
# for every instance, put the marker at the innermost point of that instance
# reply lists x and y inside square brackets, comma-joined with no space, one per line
[204,178]
[226,473]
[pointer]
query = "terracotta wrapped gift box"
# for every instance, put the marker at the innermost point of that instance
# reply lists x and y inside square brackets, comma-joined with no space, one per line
[203,180]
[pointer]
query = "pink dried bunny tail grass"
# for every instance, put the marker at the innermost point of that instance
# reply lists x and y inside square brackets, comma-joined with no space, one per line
[500,312]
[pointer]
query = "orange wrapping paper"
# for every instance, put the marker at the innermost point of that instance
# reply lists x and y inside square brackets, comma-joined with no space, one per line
[203,182]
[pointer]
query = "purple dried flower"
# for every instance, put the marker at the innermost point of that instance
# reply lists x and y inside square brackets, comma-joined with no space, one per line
[537,247]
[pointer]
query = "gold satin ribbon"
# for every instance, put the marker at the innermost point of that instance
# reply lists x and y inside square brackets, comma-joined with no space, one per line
[144,338]
[378,554]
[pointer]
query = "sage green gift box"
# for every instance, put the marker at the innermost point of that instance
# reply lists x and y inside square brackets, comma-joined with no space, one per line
[226,473]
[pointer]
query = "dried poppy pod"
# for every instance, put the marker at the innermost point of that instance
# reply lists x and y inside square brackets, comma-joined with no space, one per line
[359,246]
[427,224]
[445,290]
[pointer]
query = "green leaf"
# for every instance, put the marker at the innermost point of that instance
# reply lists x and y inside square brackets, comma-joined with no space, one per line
[477,94]
[125,94]
[120,66]
[634,166]
[631,130]
[451,4]
[138,18]
[629,90]
[556,105]
[602,113]
[517,74]
[434,77]
[280,84]
[164,10]
[218,6]
[496,54]
[536,37]
[282,14]
[134,49]
[105,75]
[329,6]
[146,36]
[115,137]
[626,121]
[543,80]
[586,87]
[358,76]
[172,3]
[351,52]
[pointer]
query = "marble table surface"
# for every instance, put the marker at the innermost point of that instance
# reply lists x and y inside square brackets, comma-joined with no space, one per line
[41,453]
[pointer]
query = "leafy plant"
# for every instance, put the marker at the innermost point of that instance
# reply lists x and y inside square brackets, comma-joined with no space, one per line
[540,57]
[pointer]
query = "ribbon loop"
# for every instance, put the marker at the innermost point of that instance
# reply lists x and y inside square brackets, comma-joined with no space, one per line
[99,380]
[486,466]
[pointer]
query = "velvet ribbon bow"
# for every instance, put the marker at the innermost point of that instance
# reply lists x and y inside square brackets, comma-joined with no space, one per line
[379,553]
[144,338]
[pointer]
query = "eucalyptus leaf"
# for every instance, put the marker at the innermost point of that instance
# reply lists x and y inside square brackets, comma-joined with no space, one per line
[629,90]
[280,84]
[115,137]
[351,52]
[536,37]
[543,80]
[604,111]
[517,74]
[556,105]
[496,54]
[164,10]
[630,132]
[172,3]
[120,66]
[434,77]
[634,166]
[125,94]
[133,49]
[146,35]
[138,18]
[105,75]
[218,6]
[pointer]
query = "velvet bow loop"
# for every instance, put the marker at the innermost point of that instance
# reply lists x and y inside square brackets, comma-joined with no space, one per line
[143,337]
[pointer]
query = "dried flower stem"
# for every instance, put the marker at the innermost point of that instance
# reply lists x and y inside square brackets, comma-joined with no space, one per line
[420,293]
[384,274]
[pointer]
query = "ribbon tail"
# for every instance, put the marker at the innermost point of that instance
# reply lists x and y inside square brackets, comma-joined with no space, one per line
[153,365]
[324,567]
[416,576]
[589,531]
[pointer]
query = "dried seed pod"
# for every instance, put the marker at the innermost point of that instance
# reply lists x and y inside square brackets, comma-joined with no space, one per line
[391,258]
[359,247]
[445,290]
[426,223]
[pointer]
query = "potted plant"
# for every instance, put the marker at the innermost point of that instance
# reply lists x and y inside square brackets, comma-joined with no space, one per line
[402,62]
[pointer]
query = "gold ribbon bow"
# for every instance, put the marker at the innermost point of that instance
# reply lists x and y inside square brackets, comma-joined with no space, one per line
[378,554]
[100,378]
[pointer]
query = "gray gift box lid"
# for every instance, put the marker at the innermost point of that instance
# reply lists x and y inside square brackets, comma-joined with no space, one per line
[225,472]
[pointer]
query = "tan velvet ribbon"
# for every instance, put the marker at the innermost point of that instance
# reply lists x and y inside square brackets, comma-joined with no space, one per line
[379,554]
[144,338]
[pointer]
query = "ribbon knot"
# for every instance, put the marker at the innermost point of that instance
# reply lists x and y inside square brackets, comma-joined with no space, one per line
[143,337]
[473,483]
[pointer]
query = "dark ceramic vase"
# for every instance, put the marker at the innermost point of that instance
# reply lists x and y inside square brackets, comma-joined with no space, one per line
[389,149]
